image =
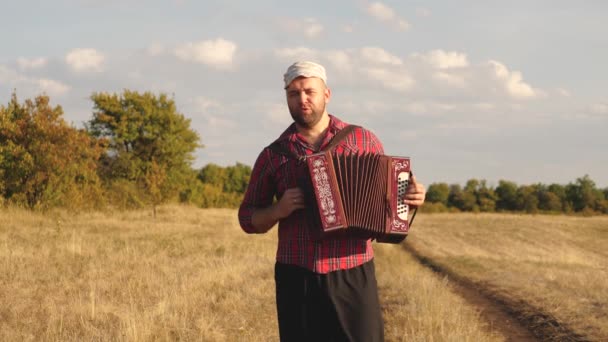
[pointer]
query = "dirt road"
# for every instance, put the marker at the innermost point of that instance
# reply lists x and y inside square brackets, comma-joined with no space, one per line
[516,320]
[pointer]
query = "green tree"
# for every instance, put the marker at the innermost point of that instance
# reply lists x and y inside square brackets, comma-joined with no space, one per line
[506,193]
[486,197]
[148,139]
[583,195]
[213,174]
[527,198]
[44,162]
[229,179]
[222,186]
[470,195]
[438,193]
[549,200]
[237,178]
[461,199]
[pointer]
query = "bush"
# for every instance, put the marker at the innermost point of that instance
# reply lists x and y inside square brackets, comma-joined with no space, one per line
[123,194]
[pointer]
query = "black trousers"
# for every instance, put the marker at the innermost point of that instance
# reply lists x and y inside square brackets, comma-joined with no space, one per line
[338,306]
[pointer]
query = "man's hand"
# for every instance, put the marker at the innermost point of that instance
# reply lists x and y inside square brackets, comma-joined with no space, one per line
[265,218]
[415,193]
[292,199]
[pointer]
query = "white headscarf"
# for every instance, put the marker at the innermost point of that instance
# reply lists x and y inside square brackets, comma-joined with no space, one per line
[305,69]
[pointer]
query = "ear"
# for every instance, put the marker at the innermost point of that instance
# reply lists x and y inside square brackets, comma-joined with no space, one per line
[327,94]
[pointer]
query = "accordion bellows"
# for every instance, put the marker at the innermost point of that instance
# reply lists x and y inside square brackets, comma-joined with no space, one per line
[361,194]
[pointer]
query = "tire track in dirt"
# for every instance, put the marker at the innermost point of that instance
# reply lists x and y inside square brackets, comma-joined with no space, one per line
[517,320]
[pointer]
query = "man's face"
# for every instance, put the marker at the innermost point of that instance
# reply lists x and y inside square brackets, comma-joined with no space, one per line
[306,99]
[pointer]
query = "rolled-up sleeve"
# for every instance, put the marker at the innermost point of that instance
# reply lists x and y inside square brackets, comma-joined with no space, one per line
[260,191]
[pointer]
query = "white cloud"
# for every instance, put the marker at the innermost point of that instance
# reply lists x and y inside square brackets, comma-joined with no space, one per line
[340,60]
[512,81]
[484,106]
[387,15]
[206,105]
[397,80]
[379,56]
[447,60]
[82,60]
[380,11]
[31,86]
[8,75]
[593,112]
[402,25]
[219,122]
[155,49]
[371,63]
[217,53]
[449,79]
[33,63]
[424,75]
[52,87]
[563,92]
[599,109]
[310,27]
[214,113]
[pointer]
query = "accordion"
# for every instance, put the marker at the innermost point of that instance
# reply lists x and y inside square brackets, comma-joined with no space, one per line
[361,194]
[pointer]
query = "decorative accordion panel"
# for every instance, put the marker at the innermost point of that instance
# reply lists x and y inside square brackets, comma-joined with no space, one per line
[361,193]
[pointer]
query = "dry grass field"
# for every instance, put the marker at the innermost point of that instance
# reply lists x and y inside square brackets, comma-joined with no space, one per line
[557,265]
[193,275]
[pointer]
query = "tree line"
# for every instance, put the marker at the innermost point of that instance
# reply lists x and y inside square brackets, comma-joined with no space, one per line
[580,196]
[137,150]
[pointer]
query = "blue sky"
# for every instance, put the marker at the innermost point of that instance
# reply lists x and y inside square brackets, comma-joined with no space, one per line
[514,90]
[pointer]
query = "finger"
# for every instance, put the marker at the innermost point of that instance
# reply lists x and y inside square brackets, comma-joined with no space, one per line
[413,198]
[292,191]
[414,190]
[415,203]
[298,200]
[413,179]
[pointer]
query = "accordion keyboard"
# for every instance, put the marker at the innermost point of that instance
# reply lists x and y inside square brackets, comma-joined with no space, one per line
[402,183]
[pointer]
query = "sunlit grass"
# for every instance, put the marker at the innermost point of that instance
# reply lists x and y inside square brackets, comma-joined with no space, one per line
[190,275]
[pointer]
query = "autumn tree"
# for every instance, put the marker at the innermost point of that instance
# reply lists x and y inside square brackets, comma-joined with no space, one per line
[44,162]
[151,144]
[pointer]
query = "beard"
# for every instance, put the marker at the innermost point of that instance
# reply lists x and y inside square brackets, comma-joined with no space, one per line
[308,118]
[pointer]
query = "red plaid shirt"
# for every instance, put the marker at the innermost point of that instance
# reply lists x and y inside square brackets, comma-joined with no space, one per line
[274,173]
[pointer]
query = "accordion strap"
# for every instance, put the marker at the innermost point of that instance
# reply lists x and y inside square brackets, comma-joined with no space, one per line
[341,135]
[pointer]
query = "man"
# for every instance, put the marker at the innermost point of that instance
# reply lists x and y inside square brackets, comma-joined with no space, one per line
[326,289]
